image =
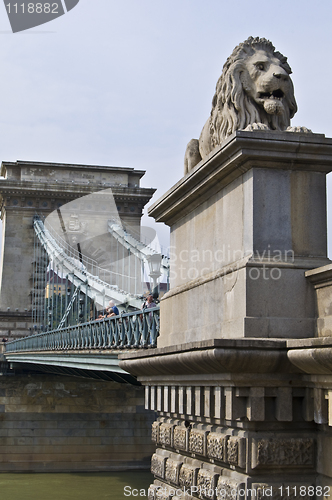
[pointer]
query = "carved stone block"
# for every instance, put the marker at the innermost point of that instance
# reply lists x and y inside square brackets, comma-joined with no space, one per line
[155,432]
[265,491]
[172,471]
[197,441]
[236,451]
[286,491]
[206,482]
[166,434]
[152,492]
[180,438]
[293,491]
[283,452]
[188,476]
[216,446]
[161,494]
[228,489]
[158,465]
[233,451]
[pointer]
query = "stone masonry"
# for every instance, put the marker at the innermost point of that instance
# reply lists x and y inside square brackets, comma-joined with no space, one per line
[242,376]
[59,424]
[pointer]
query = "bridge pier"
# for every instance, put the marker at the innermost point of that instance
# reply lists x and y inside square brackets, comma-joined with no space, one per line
[51,423]
[242,376]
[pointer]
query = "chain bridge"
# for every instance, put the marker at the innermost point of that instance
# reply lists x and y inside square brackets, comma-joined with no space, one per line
[65,404]
[86,250]
[69,291]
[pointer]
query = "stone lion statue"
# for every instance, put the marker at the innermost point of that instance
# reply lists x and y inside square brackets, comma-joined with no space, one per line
[254,92]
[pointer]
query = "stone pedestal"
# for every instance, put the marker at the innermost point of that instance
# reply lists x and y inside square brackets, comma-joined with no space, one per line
[30,188]
[245,226]
[233,415]
[239,397]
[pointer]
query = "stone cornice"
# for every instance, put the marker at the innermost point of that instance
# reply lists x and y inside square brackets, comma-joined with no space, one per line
[215,356]
[320,277]
[63,190]
[72,181]
[72,166]
[65,194]
[239,153]
[312,356]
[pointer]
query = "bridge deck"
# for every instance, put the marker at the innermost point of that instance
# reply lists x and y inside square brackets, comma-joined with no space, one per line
[87,348]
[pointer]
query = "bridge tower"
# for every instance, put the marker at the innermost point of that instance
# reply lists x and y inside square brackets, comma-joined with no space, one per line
[28,188]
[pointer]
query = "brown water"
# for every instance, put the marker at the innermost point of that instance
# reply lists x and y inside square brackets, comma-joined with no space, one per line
[75,486]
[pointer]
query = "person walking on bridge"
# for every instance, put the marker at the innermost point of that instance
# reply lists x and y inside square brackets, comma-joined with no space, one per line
[112,308]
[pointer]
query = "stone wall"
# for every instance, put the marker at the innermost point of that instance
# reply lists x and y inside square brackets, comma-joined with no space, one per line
[57,423]
[15,324]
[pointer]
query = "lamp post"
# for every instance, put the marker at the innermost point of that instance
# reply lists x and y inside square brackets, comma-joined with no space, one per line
[154,262]
[81,313]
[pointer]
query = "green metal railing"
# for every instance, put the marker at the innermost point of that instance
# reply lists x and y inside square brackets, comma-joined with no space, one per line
[138,329]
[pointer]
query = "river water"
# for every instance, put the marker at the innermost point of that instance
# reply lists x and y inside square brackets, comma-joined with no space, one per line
[75,486]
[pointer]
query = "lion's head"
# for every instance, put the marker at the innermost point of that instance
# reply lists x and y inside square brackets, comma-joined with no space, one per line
[255,87]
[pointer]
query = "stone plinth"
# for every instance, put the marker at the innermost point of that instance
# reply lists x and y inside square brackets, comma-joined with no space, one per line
[246,224]
[30,188]
[242,388]
[233,413]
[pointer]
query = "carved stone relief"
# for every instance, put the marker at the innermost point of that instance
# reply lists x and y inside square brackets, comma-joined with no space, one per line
[180,438]
[158,465]
[236,451]
[157,493]
[216,446]
[265,491]
[165,434]
[206,482]
[279,491]
[152,492]
[228,489]
[155,432]
[233,451]
[197,441]
[172,471]
[188,476]
[273,452]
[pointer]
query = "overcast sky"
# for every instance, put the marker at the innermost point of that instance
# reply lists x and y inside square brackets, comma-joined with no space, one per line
[129,83]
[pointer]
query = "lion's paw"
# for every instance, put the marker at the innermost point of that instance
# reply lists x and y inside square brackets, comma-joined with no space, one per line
[192,156]
[303,130]
[256,126]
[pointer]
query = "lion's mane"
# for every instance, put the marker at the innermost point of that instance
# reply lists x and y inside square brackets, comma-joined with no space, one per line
[232,108]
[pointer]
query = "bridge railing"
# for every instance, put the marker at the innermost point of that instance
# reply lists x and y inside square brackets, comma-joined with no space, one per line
[138,329]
